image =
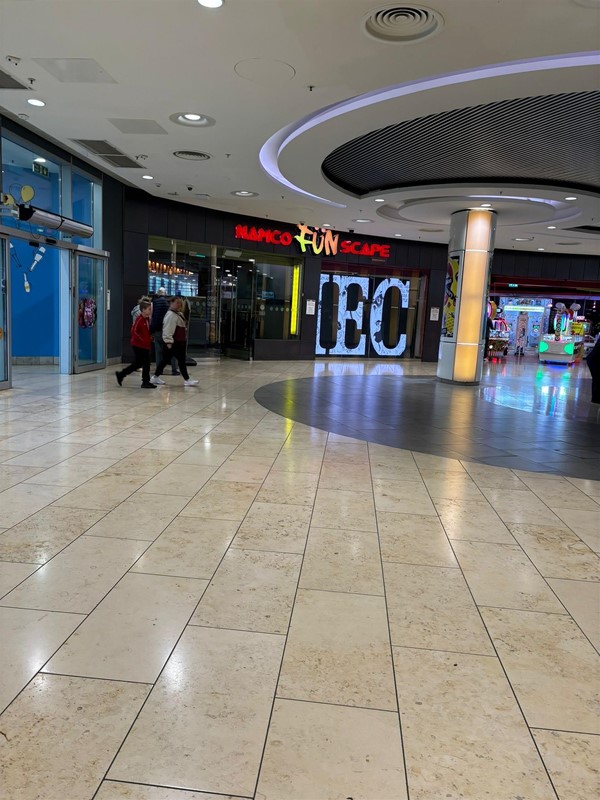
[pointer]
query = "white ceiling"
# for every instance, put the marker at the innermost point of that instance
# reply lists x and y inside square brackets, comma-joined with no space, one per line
[168,56]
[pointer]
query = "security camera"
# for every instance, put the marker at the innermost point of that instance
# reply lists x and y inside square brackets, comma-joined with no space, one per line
[350,230]
[190,188]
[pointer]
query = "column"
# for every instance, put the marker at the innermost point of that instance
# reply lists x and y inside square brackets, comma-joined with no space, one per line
[470,251]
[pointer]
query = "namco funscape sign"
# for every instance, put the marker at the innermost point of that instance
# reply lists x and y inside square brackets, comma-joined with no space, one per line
[340,316]
[316,241]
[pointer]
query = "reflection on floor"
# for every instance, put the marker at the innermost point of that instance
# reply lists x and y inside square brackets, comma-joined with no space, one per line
[202,599]
[523,416]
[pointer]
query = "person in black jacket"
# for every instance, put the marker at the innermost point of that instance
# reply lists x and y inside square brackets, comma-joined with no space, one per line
[593,362]
[160,306]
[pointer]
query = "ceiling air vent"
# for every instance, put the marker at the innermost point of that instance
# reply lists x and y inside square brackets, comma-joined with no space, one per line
[191,155]
[108,152]
[403,24]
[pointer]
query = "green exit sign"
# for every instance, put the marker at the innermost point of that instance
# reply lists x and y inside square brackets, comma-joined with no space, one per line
[513,285]
[40,169]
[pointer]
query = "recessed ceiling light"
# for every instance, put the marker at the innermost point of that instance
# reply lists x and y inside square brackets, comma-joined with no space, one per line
[211,3]
[523,239]
[541,248]
[486,205]
[380,199]
[551,227]
[33,101]
[151,251]
[362,220]
[39,160]
[398,235]
[147,177]
[326,225]
[192,119]
[570,198]
[244,193]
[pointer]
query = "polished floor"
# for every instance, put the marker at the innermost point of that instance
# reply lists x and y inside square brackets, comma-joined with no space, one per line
[202,599]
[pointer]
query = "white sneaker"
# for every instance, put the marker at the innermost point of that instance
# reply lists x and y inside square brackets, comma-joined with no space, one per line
[190,382]
[156,380]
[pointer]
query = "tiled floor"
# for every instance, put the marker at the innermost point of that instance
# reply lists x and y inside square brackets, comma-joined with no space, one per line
[200,599]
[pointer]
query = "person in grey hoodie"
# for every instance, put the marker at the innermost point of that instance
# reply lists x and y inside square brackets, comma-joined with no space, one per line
[174,334]
[160,306]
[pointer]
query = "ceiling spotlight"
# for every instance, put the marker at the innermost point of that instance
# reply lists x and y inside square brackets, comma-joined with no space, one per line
[541,248]
[398,235]
[211,3]
[326,225]
[486,205]
[523,239]
[151,251]
[33,101]
[147,177]
[570,198]
[551,227]
[362,220]
[192,119]
[380,199]
[39,160]
[244,193]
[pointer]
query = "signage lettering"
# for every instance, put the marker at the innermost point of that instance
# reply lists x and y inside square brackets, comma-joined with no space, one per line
[313,240]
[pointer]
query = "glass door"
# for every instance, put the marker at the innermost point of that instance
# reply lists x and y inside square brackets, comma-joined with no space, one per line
[238,291]
[4,311]
[89,312]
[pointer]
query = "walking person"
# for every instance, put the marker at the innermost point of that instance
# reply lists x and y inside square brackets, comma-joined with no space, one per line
[160,307]
[141,343]
[593,362]
[174,334]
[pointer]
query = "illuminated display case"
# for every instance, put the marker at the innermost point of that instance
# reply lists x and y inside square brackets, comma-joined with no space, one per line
[567,350]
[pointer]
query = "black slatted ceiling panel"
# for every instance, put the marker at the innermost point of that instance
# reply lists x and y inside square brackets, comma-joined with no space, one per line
[547,139]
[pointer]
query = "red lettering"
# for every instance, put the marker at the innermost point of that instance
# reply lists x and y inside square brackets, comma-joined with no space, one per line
[286,239]
[385,250]
[241,231]
[365,250]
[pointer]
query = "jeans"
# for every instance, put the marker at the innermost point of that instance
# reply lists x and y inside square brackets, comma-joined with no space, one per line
[176,351]
[141,358]
[161,351]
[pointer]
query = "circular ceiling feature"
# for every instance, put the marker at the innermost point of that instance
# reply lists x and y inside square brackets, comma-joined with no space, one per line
[265,71]
[243,193]
[191,155]
[191,119]
[403,24]
[496,142]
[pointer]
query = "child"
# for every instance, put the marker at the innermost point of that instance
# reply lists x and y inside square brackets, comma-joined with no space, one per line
[141,342]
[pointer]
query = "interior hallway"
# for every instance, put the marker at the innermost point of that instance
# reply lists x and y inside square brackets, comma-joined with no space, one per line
[200,594]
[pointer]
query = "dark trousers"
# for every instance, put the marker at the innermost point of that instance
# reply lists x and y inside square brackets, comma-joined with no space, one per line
[161,351]
[141,358]
[177,351]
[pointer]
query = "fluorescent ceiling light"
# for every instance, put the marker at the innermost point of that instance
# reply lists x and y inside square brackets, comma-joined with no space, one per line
[147,177]
[33,101]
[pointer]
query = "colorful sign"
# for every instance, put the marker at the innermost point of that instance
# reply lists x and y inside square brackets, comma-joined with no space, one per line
[316,241]
[450,298]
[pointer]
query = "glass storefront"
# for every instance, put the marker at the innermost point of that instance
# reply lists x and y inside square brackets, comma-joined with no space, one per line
[370,313]
[235,296]
[4,351]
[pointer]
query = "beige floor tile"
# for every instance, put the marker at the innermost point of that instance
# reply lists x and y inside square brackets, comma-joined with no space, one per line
[141,516]
[344,510]
[143,463]
[72,472]
[295,488]
[295,460]
[28,640]
[347,477]
[274,526]
[28,440]
[76,579]
[582,601]
[338,651]
[131,633]
[342,561]
[188,548]
[414,539]
[104,492]
[114,790]
[451,485]
[583,523]
[205,724]
[561,494]
[244,468]
[464,735]
[115,447]
[406,497]
[23,500]
[178,479]
[400,471]
[174,441]
[573,761]
[487,477]
[502,575]
[591,488]
[251,591]
[557,552]
[472,521]
[11,476]
[431,607]
[330,753]
[518,506]
[427,461]
[39,537]
[206,454]
[12,574]
[48,455]
[61,734]
[222,500]
[258,448]
[552,667]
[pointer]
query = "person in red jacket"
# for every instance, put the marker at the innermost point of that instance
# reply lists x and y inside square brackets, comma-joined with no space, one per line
[141,342]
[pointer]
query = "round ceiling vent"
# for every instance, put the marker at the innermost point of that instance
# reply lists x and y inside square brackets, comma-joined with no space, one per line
[191,155]
[403,24]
